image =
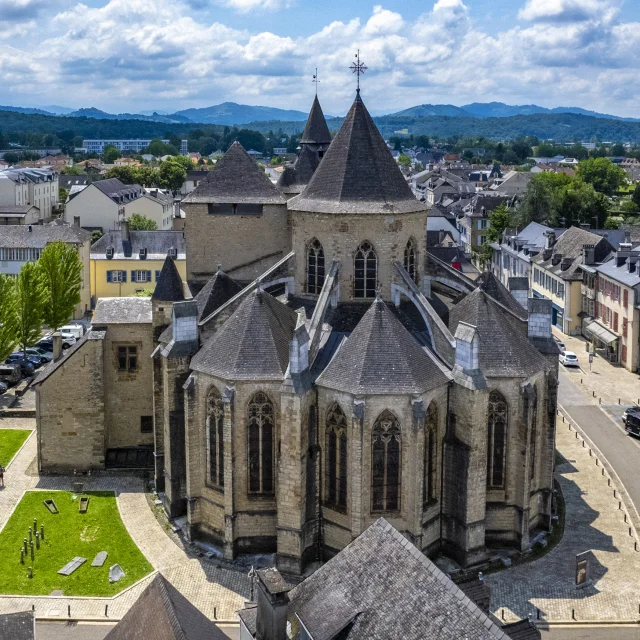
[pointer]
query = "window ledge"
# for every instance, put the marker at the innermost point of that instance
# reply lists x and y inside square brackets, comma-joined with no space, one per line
[214,487]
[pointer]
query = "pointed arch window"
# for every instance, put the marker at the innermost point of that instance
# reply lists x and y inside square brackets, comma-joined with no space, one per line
[315,267]
[498,424]
[215,438]
[430,453]
[410,260]
[336,458]
[261,437]
[365,271]
[385,463]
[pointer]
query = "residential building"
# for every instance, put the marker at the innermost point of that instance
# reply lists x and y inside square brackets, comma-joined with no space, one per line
[136,145]
[473,223]
[193,179]
[68,180]
[24,243]
[104,204]
[125,262]
[19,214]
[557,273]
[126,162]
[512,183]
[35,187]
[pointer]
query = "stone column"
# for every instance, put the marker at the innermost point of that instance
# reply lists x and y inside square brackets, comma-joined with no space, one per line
[229,503]
[356,436]
[414,515]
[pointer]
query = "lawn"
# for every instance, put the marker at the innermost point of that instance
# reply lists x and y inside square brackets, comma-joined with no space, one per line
[10,441]
[68,534]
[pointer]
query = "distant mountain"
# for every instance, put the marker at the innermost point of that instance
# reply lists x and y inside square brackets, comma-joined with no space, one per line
[26,110]
[57,110]
[92,112]
[230,113]
[501,110]
[427,110]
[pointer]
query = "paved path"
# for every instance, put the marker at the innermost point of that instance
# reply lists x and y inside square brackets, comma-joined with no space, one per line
[210,588]
[593,522]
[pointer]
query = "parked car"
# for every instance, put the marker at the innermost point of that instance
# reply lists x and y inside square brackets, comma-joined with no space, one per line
[76,330]
[10,373]
[35,360]
[569,359]
[28,368]
[47,343]
[631,419]
[3,387]
[45,356]
[561,345]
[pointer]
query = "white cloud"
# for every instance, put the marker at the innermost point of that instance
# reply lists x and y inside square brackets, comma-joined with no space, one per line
[382,22]
[245,6]
[567,10]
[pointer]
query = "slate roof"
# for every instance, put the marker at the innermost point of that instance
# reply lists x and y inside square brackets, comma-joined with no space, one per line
[169,286]
[488,283]
[316,130]
[38,236]
[163,613]
[382,357]
[236,178]
[118,191]
[17,626]
[218,290]
[504,349]
[294,178]
[381,586]
[157,243]
[66,181]
[16,209]
[253,344]
[130,310]
[357,174]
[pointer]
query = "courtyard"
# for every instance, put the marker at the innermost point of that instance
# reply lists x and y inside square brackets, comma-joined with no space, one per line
[10,442]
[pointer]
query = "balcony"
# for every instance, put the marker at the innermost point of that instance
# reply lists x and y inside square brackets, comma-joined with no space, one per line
[586,291]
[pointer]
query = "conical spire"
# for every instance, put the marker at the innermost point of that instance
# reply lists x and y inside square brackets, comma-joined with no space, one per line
[316,130]
[358,173]
[215,293]
[294,179]
[169,287]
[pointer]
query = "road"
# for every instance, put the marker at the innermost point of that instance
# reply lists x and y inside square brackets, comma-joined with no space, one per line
[609,632]
[605,430]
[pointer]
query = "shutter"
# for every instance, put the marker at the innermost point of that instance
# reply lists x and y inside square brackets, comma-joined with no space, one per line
[624,353]
[133,276]
[148,276]
[109,276]
[625,297]
[124,275]
[615,320]
[157,275]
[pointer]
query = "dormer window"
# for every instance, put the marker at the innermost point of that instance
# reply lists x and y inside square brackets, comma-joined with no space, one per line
[109,253]
[173,253]
[143,254]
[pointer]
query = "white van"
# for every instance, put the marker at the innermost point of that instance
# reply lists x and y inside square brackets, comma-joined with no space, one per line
[76,330]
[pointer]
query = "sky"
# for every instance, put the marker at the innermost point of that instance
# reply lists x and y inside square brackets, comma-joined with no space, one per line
[134,55]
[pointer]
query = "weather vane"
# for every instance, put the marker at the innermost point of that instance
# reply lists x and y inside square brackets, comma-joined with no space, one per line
[315,79]
[358,68]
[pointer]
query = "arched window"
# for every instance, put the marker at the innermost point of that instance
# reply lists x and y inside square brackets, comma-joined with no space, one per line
[261,436]
[410,259]
[215,437]
[430,453]
[366,272]
[336,457]
[498,424]
[315,267]
[385,463]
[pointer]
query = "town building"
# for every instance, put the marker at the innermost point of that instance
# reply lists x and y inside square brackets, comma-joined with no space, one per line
[136,145]
[24,243]
[473,222]
[34,187]
[125,262]
[19,214]
[512,183]
[193,179]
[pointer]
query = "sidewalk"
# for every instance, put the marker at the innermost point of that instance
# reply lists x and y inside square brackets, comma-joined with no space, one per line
[593,522]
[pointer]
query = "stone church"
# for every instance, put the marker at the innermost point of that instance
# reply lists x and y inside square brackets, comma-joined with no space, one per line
[322,369]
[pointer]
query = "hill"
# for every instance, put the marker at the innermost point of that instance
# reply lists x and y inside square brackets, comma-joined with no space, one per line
[92,112]
[230,113]
[25,110]
[426,110]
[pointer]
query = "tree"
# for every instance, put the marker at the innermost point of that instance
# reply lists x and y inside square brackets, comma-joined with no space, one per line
[96,234]
[636,195]
[578,202]
[404,160]
[71,171]
[61,274]
[138,222]
[172,175]
[500,219]
[605,176]
[63,194]
[8,317]
[143,293]
[127,175]
[483,256]
[613,222]
[29,300]
[110,154]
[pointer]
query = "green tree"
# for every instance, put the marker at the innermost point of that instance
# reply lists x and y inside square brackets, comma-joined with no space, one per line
[63,194]
[110,154]
[29,300]
[61,274]
[500,219]
[139,222]
[147,176]
[96,234]
[605,176]
[613,222]
[172,174]
[629,208]
[8,317]
[483,256]
[127,175]
[72,171]
[578,202]
[404,160]
[143,293]
[636,195]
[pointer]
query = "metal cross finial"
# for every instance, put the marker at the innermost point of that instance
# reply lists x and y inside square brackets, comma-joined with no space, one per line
[315,79]
[358,68]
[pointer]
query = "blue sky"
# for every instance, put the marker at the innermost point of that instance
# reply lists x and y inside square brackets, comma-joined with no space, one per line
[133,55]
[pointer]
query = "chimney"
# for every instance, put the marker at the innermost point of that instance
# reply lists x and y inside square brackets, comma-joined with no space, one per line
[519,288]
[588,254]
[299,346]
[586,226]
[185,322]
[466,347]
[539,320]
[76,221]
[57,345]
[124,230]
[550,239]
[30,228]
[627,237]
[273,603]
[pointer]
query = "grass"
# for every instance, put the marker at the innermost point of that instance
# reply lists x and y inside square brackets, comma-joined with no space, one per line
[10,441]
[69,534]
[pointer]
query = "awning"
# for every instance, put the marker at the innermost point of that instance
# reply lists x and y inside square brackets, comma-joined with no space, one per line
[600,332]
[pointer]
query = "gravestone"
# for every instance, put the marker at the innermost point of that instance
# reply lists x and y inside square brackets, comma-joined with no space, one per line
[51,505]
[84,505]
[71,566]
[100,559]
[116,573]
[77,487]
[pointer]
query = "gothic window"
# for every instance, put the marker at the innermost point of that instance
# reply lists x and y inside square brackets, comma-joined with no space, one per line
[261,435]
[410,259]
[315,267]
[534,434]
[497,439]
[366,272]
[430,453]
[215,437]
[385,463]
[336,457]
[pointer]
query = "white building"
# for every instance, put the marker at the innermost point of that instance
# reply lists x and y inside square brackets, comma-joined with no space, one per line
[33,187]
[136,145]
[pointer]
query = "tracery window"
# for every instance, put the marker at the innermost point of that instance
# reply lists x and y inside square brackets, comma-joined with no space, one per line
[430,453]
[260,433]
[336,457]
[366,271]
[410,259]
[498,423]
[315,267]
[385,463]
[534,434]
[215,437]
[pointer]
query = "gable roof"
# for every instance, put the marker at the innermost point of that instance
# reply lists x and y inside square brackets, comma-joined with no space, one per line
[157,243]
[380,586]
[218,290]
[253,344]
[131,310]
[38,236]
[236,178]
[488,283]
[118,191]
[163,613]
[382,357]
[358,173]
[316,130]
[169,286]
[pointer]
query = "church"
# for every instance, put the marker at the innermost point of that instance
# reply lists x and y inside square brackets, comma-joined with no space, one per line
[319,370]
